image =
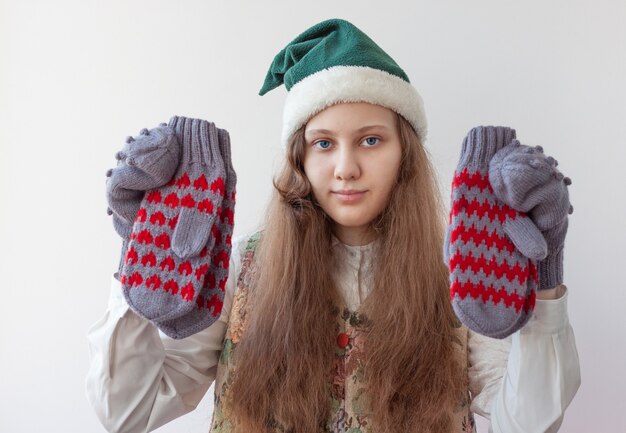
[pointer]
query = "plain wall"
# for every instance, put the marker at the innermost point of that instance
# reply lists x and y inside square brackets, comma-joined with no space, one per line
[77,77]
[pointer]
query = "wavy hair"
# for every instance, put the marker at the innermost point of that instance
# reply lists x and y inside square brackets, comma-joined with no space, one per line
[284,359]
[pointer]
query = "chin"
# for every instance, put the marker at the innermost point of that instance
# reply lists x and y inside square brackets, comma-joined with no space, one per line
[347,222]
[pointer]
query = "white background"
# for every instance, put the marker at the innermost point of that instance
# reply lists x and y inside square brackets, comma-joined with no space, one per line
[77,77]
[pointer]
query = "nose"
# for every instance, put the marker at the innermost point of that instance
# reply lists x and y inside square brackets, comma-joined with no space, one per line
[347,164]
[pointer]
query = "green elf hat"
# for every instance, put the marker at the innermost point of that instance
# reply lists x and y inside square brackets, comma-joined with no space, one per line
[333,62]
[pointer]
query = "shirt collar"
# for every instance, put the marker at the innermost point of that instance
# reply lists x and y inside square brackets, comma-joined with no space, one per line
[355,254]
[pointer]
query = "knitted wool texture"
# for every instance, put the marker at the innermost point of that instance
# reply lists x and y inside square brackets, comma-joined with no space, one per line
[198,319]
[527,180]
[147,161]
[491,249]
[161,282]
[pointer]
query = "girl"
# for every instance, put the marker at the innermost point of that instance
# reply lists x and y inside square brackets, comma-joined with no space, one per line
[336,313]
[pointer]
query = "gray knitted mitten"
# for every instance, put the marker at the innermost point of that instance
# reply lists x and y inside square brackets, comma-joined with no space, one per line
[528,181]
[491,249]
[209,302]
[169,255]
[146,162]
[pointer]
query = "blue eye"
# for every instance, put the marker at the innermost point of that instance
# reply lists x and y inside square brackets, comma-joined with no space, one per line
[322,141]
[371,138]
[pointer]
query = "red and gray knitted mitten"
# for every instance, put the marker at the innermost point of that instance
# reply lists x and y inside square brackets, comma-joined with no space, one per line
[209,302]
[491,249]
[169,255]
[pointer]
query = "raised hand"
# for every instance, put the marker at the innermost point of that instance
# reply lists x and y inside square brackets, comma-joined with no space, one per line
[491,248]
[527,180]
[170,256]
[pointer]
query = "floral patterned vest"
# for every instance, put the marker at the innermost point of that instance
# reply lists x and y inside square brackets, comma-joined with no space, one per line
[347,397]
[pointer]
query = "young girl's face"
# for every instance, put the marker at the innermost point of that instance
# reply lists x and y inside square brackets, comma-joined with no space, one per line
[352,147]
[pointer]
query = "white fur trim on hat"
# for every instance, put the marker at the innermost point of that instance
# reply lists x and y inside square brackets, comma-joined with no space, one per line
[351,84]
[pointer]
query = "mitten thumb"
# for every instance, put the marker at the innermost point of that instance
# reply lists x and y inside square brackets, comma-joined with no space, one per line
[192,233]
[526,237]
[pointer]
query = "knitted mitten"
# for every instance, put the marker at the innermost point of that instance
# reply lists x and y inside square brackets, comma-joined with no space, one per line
[210,300]
[491,249]
[161,279]
[525,179]
[146,161]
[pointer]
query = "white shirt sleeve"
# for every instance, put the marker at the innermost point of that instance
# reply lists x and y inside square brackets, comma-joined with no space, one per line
[524,383]
[139,378]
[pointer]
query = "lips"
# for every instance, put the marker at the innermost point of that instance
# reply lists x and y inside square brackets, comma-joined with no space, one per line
[348,191]
[349,196]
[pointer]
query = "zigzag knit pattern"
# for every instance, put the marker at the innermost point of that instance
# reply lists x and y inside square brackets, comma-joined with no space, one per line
[492,284]
[477,225]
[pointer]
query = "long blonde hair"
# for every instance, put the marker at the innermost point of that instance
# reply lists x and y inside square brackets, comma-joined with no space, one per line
[284,359]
